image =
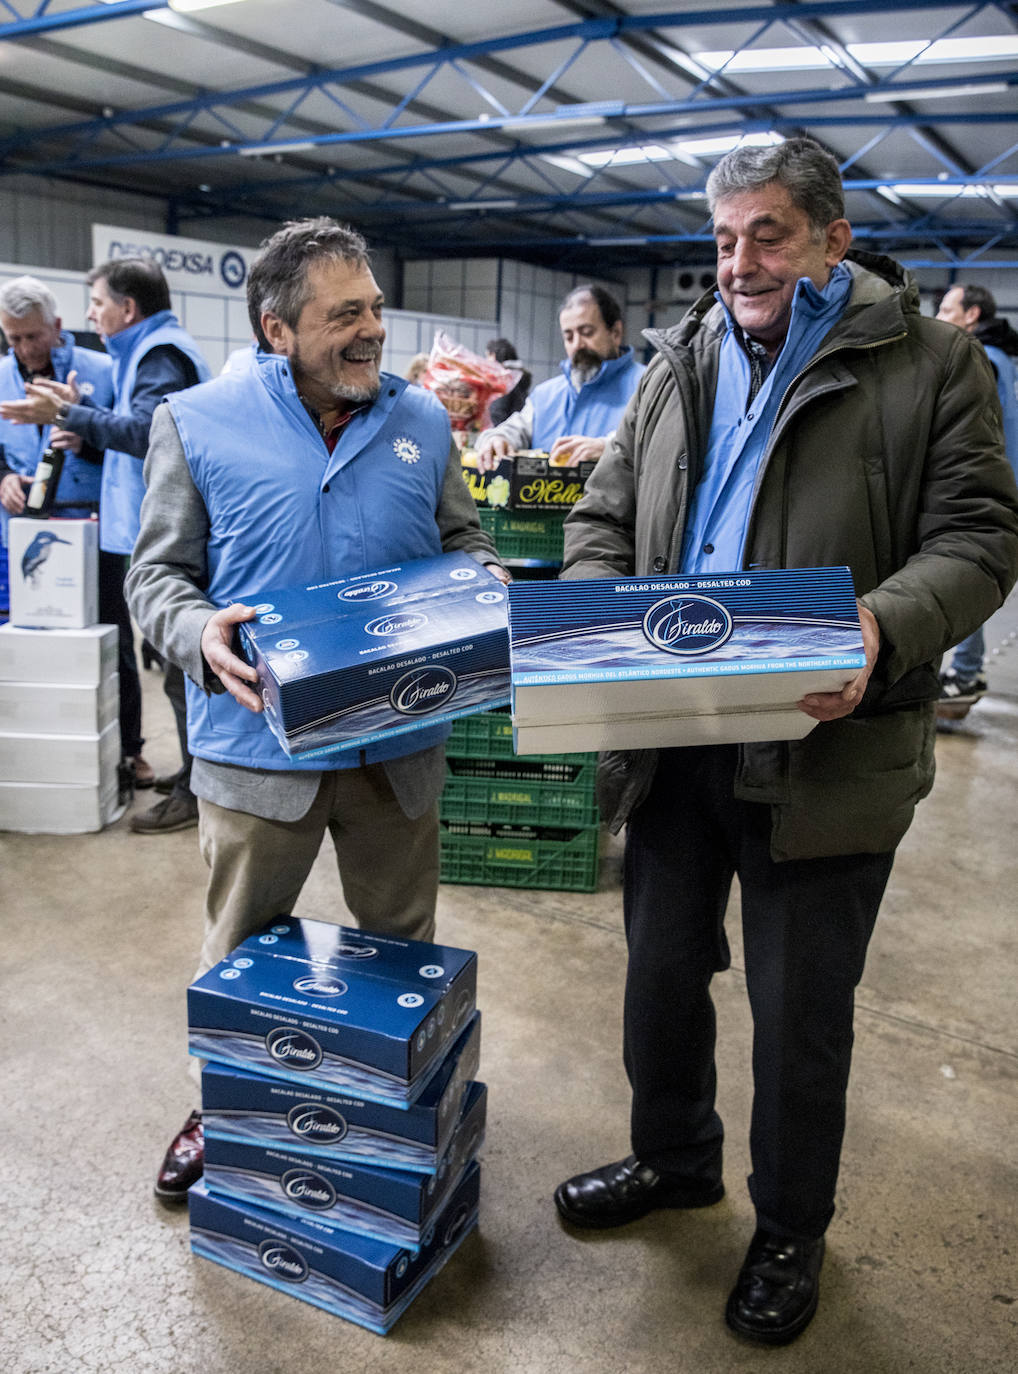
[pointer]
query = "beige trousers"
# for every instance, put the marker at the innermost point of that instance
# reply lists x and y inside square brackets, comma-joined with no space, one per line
[388,864]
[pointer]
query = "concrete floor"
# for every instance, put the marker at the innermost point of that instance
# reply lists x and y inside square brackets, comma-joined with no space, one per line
[101,934]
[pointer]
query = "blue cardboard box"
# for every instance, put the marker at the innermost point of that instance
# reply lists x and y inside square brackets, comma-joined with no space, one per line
[374,1028]
[389,1204]
[636,663]
[370,1282]
[345,663]
[254,1109]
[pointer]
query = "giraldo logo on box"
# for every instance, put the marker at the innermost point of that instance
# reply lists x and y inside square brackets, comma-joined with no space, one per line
[687,624]
[283,1261]
[423,690]
[317,1123]
[293,1049]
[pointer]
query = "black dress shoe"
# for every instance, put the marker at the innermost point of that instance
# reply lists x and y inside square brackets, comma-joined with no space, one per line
[622,1192]
[777,1290]
[184,1162]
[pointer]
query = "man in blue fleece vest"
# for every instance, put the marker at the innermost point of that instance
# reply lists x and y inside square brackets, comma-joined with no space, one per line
[308,465]
[575,413]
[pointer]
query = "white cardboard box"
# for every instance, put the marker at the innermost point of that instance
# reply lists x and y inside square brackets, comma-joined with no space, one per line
[69,760]
[49,809]
[620,663]
[59,708]
[54,573]
[85,657]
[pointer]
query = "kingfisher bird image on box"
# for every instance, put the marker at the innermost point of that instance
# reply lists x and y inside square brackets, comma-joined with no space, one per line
[645,662]
[345,663]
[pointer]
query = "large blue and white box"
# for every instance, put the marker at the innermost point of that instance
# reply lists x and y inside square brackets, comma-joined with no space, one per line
[309,1001]
[251,1108]
[367,1281]
[346,663]
[632,663]
[54,573]
[372,1199]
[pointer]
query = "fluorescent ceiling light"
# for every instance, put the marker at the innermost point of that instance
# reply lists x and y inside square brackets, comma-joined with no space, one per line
[936,93]
[617,243]
[549,121]
[710,147]
[257,149]
[482,205]
[186,6]
[904,188]
[999,47]
[620,157]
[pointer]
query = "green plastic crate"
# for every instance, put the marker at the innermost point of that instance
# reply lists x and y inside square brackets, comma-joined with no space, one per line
[489,735]
[517,535]
[506,860]
[521,801]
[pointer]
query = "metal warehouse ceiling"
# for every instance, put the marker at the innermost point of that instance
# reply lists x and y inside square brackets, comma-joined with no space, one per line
[575,133]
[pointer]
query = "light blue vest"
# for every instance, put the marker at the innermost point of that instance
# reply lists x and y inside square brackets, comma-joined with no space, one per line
[283,512]
[1007,390]
[24,444]
[594,410]
[123,483]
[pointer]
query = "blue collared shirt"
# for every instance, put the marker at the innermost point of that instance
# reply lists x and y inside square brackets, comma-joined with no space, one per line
[744,415]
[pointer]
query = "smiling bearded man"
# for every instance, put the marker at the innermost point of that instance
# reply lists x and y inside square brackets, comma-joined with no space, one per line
[306,466]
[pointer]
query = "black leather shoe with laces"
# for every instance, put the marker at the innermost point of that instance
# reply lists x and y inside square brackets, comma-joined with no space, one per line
[776,1294]
[623,1192]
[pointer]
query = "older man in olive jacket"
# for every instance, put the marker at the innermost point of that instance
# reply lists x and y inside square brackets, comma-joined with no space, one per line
[806,416]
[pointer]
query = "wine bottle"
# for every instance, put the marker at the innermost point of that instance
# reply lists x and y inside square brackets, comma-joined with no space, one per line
[42,492]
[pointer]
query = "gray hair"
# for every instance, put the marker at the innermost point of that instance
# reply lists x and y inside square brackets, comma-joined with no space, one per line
[808,173]
[22,295]
[278,281]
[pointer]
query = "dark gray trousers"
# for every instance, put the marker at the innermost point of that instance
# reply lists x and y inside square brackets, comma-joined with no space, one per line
[806,927]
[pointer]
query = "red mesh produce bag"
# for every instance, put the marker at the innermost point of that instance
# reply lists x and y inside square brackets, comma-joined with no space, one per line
[464,382]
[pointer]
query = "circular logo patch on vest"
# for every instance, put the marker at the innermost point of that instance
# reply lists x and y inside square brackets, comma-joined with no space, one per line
[407,450]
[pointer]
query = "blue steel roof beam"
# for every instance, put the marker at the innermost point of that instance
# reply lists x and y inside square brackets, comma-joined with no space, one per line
[580,200]
[529,153]
[40,22]
[620,110]
[590,29]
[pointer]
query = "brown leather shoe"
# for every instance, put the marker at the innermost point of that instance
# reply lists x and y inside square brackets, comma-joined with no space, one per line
[184,1162]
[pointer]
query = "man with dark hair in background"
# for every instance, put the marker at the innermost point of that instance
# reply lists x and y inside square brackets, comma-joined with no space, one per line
[152,358]
[308,465]
[974,309]
[803,415]
[502,351]
[573,414]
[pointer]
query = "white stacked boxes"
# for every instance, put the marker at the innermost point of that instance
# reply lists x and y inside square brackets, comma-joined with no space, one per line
[340,1112]
[59,729]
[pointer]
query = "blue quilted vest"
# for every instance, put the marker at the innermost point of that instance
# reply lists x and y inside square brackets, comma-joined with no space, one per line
[283,512]
[123,484]
[594,410]
[78,493]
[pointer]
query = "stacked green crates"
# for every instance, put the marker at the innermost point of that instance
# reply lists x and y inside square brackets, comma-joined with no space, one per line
[527,537]
[509,821]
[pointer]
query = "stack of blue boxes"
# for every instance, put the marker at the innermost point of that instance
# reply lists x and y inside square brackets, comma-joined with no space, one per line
[341,1115]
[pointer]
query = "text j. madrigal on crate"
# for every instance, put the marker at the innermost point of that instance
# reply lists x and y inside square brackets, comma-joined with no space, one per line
[345,663]
[644,662]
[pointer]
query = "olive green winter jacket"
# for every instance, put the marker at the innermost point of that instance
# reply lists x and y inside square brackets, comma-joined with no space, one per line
[886,455]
